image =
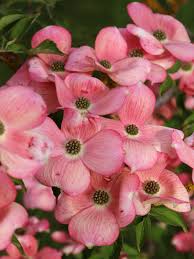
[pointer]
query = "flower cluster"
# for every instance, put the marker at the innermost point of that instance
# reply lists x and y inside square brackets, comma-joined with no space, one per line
[184,241]
[110,158]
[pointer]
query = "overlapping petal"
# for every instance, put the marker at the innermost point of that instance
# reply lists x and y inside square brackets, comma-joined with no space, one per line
[110,45]
[139,156]
[11,218]
[94,227]
[136,108]
[103,153]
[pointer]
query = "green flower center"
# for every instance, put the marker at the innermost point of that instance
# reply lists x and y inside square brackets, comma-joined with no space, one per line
[186,66]
[100,197]
[58,66]
[132,129]
[82,103]
[151,187]
[73,147]
[2,128]
[105,63]
[136,53]
[159,35]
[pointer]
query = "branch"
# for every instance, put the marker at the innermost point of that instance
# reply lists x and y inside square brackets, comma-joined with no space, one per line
[165,98]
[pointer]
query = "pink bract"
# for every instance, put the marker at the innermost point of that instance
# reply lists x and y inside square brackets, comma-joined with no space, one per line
[7,190]
[162,186]
[189,103]
[59,35]
[142,141]
[17,166]
[48,253]
[45,89]
[109,57]
[158,64]
[183,242]
[12,217]
[186,76]
[84,96]
[95,216]
[36,225]
[29,244]
[38,196]
[184,151]
[159,33]
[21,109]
[79,150]
[45,66]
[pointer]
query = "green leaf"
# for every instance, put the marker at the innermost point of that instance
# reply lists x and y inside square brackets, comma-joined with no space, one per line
[188,125]
[147,226]
[6,20]
[189,120]
[16,242]
[131,251]
[142,229]
[21,183]
[175,67]
[168,216]
[166,85]
[87,253]
[117,248]
[47,47]
[20,27]
[140,232]
[16,48]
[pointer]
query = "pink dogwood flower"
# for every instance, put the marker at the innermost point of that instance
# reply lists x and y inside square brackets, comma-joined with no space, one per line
[12,217]
[7,222]
[142,141]
[95,216]
[84,96]
[159,33]
[109,57]
[189,216]
[29,244]
[77,151]
[30,247]
[161,186]
[7,190]
[189,102]
[17,166]
[183,242]
[135,49]
[186,78]
[46,89]
[21,109]
[158,64]
[48,253]
[38,150]
[59,236]
[36,225]
[185,178]
[73,247]
[184,151]
[43,67]
[38,196]
[12,252]
[70,245]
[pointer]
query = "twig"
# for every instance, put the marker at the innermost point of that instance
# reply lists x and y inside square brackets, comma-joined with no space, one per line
[165,98]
